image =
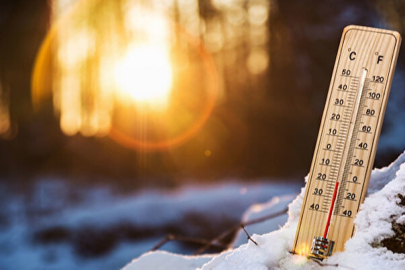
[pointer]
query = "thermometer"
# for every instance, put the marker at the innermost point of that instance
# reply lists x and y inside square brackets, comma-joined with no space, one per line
[347,139]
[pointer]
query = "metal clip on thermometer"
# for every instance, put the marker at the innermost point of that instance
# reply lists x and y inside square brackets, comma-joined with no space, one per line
[347,139]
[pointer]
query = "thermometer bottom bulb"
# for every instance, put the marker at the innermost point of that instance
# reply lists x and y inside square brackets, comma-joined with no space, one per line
[321,247]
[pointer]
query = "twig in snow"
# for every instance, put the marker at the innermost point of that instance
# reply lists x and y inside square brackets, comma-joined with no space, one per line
[247,234]
[216,242]
[235,228]
[326,264]
[322,264]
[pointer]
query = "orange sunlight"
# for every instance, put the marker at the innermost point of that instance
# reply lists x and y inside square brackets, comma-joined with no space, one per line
[127,70]
[145,75]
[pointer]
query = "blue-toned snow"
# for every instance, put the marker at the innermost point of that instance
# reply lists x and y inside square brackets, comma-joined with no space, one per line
[54,204]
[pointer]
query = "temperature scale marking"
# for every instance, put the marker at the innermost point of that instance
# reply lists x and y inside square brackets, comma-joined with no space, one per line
[347,139]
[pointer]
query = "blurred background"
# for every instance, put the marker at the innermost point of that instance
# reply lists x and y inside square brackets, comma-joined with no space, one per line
[122,121]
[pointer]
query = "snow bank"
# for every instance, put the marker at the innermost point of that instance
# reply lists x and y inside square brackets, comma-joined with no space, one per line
[167,206]
[163,260]
[363,251]
[62,227]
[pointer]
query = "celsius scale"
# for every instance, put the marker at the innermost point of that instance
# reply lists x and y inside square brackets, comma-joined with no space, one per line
[347,140]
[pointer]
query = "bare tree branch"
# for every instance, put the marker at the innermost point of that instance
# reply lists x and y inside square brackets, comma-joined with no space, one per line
[248,236]
[217,241]
[235,228]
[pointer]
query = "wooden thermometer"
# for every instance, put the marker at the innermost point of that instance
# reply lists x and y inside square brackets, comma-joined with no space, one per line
[347,140]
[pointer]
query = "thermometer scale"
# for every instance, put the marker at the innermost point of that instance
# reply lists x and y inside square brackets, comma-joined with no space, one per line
[347,140]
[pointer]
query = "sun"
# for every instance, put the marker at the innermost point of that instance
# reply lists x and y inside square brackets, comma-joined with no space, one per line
[145,75]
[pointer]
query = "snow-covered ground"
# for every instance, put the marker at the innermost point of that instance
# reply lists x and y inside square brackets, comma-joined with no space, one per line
[364,251]
[62,227]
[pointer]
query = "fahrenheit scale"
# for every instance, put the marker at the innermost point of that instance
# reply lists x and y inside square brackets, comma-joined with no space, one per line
[347,140]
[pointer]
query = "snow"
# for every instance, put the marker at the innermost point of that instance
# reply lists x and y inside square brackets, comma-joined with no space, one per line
[363,251]
[277,204]
[380,177]
[55,204]
[163,260]
[168,206]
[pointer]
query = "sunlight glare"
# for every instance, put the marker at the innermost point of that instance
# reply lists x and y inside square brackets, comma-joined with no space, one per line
[124,68]
[304,250]
[145,75]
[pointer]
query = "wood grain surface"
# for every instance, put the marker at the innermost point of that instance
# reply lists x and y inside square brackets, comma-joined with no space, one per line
[348,136]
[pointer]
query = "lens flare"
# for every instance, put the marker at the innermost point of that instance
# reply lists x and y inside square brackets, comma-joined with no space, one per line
[126,70]
[211,96]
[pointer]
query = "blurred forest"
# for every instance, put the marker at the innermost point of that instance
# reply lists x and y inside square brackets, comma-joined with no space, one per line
[274,65]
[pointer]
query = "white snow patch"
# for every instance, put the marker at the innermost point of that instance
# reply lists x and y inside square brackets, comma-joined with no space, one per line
[373,224]
[162,260]
[380,177]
